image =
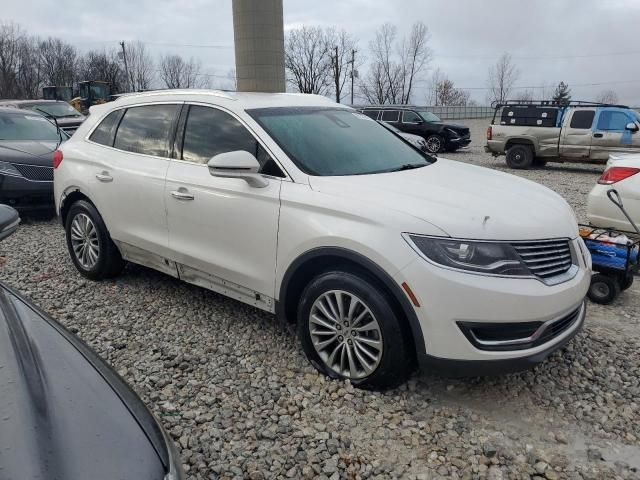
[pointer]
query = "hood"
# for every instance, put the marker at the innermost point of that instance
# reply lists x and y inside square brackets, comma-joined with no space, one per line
[65,414]
[28,151]
[456,127]
[463,200]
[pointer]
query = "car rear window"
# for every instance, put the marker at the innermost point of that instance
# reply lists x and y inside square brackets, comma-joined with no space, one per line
[103,134]
[582,119]
[146,129]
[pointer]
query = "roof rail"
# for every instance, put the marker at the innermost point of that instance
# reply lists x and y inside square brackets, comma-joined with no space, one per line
[170,91]
[552,103]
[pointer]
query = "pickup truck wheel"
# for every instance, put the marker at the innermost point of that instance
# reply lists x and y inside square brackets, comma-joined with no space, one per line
[349,330]
[91,249]
[435,143]
[519,156]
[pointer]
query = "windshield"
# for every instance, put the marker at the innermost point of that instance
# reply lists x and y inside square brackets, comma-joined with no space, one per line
[24,126]
[337,141]
[429,117]
[58,109]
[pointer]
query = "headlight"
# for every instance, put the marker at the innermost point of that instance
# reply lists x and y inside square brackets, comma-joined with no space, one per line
[8,169]
[492,258]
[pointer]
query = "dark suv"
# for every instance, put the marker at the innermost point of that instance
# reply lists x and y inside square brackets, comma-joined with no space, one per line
[440,137]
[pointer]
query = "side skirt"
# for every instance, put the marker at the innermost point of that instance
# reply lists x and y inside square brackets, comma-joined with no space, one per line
[196,277]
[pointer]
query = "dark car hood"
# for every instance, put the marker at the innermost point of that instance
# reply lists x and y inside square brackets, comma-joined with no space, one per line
[456,126]
[34,152]
[62,416]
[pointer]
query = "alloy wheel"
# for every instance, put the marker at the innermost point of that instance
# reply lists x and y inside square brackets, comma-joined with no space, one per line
[84,241]
[434,145]
[345,334]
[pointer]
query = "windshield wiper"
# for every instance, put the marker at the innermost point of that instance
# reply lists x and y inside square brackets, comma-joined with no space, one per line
[409,166]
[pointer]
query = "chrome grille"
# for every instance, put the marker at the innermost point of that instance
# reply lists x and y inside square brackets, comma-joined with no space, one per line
[545,258]
[35,172]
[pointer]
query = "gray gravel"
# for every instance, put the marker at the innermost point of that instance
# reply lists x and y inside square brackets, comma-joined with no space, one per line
[237,395]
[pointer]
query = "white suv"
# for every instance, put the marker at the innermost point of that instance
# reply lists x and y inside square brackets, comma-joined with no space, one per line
[382,255]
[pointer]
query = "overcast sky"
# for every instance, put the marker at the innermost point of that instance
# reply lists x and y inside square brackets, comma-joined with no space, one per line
[579,41]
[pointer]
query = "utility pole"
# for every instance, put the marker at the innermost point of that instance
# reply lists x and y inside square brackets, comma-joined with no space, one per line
[126,67]
[353,63]
[336,73]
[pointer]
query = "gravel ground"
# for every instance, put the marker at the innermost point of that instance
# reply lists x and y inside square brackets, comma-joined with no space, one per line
[234,390]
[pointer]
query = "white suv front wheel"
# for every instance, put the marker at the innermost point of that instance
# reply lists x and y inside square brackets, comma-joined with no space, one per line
[349,330]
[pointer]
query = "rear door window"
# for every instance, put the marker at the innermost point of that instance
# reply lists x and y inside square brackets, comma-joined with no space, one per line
[390,115]
[103,134]
[613,120]
[582,119]
[147,129]
[209,132]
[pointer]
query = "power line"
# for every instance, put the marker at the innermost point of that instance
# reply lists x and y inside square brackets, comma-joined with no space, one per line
[541,57]
[572,85]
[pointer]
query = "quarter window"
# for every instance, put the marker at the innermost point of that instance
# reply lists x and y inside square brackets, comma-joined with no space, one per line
[410,117]
[582,119]
[612,120]
[390,115]
[103,134]
[209,132]
[146,129]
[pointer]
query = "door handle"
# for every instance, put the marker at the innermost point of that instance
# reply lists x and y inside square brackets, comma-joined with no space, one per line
[598,135]
[182,194]
[104,177]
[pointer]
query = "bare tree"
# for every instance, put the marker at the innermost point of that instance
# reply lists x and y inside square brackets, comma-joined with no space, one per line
[308,60]
[176,72]
[58,62]
[607,96]
[502,77]
[28,76]
[104,66]
[396,67]
[415,55]
[341,46]
[10,38]
[526,96]
[442,91]
[141,68]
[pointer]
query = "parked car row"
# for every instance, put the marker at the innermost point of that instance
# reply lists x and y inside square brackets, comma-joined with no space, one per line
[313,211]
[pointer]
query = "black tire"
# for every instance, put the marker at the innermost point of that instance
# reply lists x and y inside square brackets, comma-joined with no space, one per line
[395,362]
[603,289]
[109,262]
[520,156]
[435,144]
[626,281]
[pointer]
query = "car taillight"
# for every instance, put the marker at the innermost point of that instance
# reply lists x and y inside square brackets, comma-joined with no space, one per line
[615,174]
[489,132]
[57,158]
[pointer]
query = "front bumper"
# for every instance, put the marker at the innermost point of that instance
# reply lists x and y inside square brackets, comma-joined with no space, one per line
[474,368]
[457,142]
[449,299]
[26,195]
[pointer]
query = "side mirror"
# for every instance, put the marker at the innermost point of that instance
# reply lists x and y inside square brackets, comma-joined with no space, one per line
[632,127]
[9,221]
[239,164]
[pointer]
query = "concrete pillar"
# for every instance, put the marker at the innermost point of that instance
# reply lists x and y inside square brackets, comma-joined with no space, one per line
[258,32]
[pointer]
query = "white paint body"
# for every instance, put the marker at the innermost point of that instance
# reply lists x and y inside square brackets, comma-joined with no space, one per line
[601,211]
[245,238]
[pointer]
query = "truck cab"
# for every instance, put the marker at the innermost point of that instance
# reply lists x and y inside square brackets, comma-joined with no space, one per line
[534,133]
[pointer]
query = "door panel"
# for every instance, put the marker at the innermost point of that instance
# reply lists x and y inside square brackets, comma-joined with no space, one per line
[129,179]
[229,229]
[610,134]
[577,133]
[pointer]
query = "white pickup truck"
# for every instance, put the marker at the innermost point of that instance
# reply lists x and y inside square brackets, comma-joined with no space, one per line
[534,133]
